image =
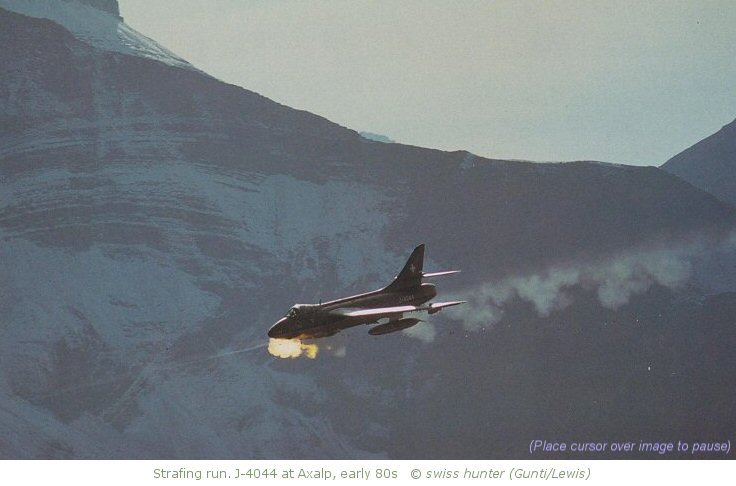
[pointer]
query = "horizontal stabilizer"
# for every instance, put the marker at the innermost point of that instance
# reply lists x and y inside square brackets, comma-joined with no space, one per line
[436,307]
[439,274]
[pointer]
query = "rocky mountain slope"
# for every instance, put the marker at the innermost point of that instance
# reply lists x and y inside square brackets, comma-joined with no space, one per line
[710,164]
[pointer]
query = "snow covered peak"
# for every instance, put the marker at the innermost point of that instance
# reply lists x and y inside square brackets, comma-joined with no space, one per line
[98,23]
[110,6]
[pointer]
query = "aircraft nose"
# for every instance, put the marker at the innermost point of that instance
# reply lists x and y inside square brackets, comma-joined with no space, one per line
[277,330]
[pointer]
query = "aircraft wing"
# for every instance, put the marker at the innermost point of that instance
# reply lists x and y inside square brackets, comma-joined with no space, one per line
[437,306]
[442,305]
[379,312]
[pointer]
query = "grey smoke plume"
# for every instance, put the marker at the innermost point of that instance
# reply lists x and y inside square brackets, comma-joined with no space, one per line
[424,331]
[614,281]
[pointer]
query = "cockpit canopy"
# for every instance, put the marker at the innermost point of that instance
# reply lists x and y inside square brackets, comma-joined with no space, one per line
[301,309]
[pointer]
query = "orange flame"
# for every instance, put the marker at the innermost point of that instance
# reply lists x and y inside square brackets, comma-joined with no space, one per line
[291,348]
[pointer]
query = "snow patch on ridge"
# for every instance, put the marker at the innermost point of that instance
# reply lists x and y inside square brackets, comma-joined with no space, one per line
[96,27]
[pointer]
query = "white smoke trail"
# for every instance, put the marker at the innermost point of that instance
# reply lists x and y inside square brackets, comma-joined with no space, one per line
[423,331]
[614,281]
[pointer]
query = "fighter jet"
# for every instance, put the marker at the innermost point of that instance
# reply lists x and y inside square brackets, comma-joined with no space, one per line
[405,294]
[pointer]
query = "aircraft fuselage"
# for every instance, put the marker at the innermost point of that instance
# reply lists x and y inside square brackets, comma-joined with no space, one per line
[315,320]
[405,294]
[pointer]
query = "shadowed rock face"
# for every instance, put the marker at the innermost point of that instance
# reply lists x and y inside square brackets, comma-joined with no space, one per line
[154,222]
[710,164]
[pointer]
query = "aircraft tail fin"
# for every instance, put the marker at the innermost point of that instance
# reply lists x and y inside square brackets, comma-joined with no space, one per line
[411,274]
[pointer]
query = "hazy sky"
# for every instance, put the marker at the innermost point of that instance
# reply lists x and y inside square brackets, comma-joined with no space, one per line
[621,81]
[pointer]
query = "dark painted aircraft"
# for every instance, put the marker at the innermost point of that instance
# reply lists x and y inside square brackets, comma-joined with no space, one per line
[406,294]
